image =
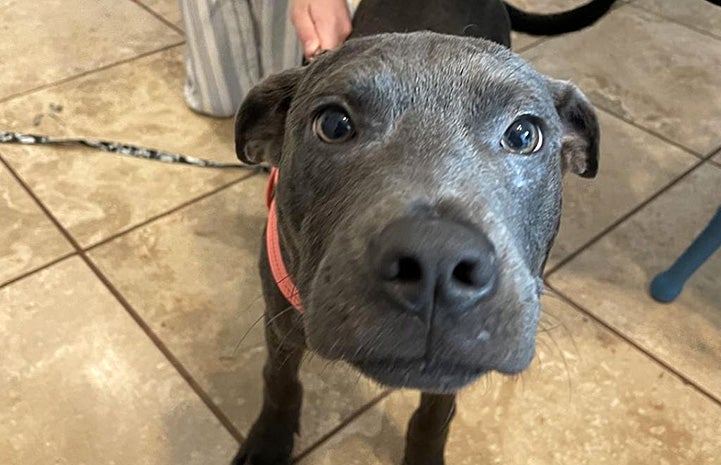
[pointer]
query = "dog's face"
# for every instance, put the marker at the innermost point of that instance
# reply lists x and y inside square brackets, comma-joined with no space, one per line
[419,195]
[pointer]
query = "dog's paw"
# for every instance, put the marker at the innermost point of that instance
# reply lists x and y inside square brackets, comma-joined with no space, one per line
[270,442]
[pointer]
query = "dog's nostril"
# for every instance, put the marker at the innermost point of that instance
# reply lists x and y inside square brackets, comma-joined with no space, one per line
[407,269]
[421,263]
[465,273]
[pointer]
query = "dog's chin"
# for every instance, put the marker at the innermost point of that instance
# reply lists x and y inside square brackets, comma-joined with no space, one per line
[417,374]
[438,377]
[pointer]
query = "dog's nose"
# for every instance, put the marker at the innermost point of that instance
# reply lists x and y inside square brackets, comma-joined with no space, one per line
[424,262]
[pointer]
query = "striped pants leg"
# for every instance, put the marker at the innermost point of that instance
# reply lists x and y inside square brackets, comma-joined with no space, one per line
[231,45]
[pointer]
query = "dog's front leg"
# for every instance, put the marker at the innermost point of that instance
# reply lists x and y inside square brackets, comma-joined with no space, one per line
[270,441]
[428,429]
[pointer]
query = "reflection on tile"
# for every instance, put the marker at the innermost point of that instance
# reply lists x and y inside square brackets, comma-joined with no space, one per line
[27,237]
[633,166]
[589,398]
[168,9]
[193,278]
[99,33]
[83,384]
[651,71]
[611,280]
[699,14]
[95,194]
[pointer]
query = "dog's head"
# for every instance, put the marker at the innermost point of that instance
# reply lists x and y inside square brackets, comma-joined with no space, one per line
[419,195]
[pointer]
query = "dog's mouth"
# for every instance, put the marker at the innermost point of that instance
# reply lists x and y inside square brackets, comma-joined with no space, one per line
[436,376]
[435,346]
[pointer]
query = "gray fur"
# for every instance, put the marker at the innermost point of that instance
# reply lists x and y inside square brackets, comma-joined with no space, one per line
[429,112]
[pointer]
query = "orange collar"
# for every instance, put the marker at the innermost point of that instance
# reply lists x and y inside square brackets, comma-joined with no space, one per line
[272,242]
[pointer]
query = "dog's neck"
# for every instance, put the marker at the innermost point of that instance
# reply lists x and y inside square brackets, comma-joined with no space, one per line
[280,273]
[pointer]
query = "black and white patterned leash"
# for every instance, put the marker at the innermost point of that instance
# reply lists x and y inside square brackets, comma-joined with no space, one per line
[120,149]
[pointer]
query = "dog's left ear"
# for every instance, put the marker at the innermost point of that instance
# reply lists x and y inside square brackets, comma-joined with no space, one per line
[580,147]
[260,121]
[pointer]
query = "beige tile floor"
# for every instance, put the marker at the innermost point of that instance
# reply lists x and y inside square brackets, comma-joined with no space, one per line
[126,287]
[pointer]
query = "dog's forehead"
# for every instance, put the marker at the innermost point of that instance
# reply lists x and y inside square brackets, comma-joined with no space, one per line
[428,65]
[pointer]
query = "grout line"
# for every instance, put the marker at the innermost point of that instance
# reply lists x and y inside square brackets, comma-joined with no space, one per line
[621,220]
[651,132]
[712,154]
[194,385]
[38,269]
[675,21]
[159,17]
[310,449]
[175,209]
[533,44]
[88,72]
[704,160]
[132,313]
[637,346]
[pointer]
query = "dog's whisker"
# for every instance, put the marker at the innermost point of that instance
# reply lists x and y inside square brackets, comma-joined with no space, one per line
[333,346]
[569,334]
[255,323]
[561,323]
[486,384]
[279,314]
[308,356]
[291,351]
[286,359]
[358,378]
[247,332]
[325,366]
[538,354]
[565,364]
[358,351]
[281,343]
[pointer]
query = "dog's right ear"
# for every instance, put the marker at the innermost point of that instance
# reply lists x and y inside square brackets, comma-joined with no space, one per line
[260,121]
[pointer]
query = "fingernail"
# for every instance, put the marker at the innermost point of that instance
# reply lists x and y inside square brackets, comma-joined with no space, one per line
[311,47]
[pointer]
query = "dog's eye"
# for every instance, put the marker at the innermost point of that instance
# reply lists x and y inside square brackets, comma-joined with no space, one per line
[333,125]
[523,136]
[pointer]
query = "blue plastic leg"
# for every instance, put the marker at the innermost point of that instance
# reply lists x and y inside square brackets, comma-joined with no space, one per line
[668,285]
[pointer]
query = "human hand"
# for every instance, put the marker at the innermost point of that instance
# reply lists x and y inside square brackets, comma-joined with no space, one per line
[320,24]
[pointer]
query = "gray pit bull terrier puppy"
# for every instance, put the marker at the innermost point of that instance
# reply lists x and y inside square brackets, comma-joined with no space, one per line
[418,196]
